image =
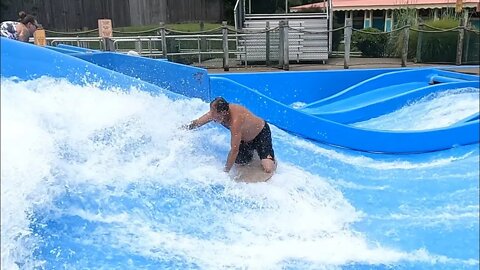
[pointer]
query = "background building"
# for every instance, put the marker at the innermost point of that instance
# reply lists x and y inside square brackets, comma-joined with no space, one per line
[380,14]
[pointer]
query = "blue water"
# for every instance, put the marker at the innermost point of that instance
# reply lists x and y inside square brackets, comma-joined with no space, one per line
[96,179]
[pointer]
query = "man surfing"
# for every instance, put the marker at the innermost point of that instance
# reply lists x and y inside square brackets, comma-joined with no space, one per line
[249,133]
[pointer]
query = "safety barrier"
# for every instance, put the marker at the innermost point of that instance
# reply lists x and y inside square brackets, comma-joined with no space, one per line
[222,43]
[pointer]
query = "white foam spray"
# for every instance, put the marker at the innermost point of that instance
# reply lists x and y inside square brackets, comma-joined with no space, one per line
[59,137]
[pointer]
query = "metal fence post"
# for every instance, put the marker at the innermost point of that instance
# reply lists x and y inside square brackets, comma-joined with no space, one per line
[225,46]
[419,43]
[406,37]
[138,46]
[164,40]
[347,42]
[461,34]
[267,43]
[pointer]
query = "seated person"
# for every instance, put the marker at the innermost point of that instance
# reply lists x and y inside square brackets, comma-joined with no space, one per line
[21,30]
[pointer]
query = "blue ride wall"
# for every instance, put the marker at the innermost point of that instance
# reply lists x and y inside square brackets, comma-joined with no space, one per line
[267,94]
[26,62]
[178,78]
[310,86]
[302,86]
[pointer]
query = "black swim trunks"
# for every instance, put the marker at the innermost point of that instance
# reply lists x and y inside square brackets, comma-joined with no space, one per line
[262,143]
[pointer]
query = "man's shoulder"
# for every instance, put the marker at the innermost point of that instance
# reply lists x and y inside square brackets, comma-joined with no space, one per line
[239,108]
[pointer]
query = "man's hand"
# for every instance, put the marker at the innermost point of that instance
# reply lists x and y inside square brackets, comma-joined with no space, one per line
[226,169]
[190,126]
[185,127]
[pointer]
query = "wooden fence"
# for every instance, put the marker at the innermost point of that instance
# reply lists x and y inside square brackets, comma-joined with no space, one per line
[77,14]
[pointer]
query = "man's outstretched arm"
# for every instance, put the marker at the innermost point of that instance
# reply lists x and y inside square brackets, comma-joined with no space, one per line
[200,121]
[235,140]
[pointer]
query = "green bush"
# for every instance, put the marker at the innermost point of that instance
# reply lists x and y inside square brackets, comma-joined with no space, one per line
[471,49]
[371,45]
[435,47]
[337,36]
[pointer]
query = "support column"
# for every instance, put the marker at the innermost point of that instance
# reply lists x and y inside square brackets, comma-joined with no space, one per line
[347,40]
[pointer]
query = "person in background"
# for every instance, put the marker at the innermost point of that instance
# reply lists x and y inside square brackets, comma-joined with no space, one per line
[21,30]
[249,133]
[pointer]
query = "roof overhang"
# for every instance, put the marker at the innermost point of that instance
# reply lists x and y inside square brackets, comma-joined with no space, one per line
[412,6]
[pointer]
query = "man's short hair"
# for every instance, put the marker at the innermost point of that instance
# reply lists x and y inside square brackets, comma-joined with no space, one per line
[220,103]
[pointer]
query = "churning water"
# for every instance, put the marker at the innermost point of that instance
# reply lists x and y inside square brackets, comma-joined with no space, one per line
[106,179]
[436,110]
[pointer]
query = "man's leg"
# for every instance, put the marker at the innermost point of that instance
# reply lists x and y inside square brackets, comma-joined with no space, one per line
[265,150]
[269,165]
[245,154]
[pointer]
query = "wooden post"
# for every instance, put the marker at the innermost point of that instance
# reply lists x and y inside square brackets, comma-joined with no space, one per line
[347,40]
[267,43]
[286,47]
[419,43]
[225,46]
[203,41]
[406,37]
[461,34]
[284,60]
[105,31]
[281,25]
[467,47]
[467,36]
[164,40]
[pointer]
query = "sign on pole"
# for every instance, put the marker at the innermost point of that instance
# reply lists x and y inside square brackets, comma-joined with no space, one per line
[105,29]
[459,6]
[39,37]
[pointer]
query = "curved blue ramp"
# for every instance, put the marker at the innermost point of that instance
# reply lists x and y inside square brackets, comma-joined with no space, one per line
[366,106]
[326,131]
[351,95]
[390,84]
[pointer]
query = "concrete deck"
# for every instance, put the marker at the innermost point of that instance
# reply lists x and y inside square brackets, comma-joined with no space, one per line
[355,63]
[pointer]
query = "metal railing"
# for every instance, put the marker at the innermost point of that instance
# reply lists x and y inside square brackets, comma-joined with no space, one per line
[196,45]
[84,42]
[217,46]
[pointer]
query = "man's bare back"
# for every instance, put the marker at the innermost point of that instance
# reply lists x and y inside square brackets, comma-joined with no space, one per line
[250,125]
[248,133]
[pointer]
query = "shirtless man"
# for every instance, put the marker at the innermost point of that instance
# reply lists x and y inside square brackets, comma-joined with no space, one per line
[248,133]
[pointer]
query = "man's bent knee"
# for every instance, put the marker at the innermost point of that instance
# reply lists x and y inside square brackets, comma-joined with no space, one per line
[268,165]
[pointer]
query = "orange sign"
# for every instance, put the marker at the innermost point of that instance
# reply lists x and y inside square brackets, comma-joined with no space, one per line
[105,28]
[39,37]
[459,6]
